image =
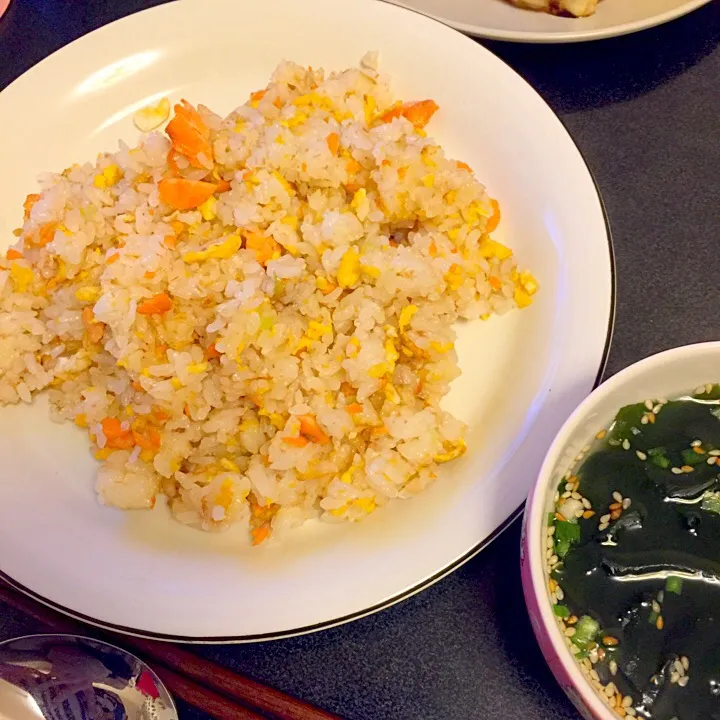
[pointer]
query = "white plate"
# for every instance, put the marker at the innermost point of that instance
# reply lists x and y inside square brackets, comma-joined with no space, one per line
[500,20]
[523,373]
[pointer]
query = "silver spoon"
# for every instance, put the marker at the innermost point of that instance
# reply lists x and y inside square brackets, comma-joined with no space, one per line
[68,677]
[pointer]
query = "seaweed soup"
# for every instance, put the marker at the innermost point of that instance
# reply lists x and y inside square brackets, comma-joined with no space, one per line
[633,552]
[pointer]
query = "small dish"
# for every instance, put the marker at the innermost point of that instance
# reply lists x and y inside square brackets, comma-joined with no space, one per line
[666,375]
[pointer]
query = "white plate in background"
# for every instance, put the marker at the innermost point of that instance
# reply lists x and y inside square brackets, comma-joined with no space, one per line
[499,20]
[522,374]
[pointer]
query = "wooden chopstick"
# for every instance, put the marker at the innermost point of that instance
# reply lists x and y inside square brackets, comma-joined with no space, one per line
[223,694]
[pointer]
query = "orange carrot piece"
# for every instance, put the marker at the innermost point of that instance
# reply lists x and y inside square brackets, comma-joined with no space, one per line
[30,200]
[170,241]
[136,386]
[13,254]
[299,442]
[354,408]
[157,305]
[212,353]
[117,438]
[494,219]
[189,134]
[177,226]
[94,329]
[149,275]
[150,441]
[495,283]
[380,430]
[463,166]
[333,142]
[418,113]
[183,194]
[353,166]
[160,415]
[258,95]
[260,535]
[44,235]
[172,162]
[223,186]
[113,258]
[310,428]
[264,247]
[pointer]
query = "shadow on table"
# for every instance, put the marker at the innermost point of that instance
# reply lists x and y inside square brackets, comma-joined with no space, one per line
[577,76]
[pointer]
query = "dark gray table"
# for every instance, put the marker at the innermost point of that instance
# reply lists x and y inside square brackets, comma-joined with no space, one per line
[645,111]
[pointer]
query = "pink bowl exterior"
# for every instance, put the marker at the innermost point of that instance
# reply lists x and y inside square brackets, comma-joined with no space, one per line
[549,651]
[3,6]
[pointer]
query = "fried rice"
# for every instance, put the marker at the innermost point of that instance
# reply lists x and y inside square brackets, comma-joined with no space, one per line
[253,315]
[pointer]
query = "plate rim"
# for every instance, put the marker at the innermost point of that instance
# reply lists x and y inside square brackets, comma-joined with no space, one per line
[559,38]
[442,572]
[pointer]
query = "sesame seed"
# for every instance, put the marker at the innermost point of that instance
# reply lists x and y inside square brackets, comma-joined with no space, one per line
[676,471]
[626,444]
[610,641]
[711,460]
[651,418]
[594,675]
[551,531]
[610,689]
[548,554]
[601,434]
[588,514]
[683,681]
[685,662]
[631,710]
[566,495]
[714,453]
[649,404]
[574,649]
[579,513]
[657,409]
[603,526]
[559,593]
[613,667]
[572,620]
[626,503]
[569,486]
[586,503]
[553,560]
[576,496]
[605,519]
[641,454]
[660,623]
[661,596]
[616,506]
[627,701]
[687,468]
[662,401]
[656,606]
[708,388]
[617,497]
[569,632]
[699,390]
[696,443]
[549,542]
[674,677]
[644,420]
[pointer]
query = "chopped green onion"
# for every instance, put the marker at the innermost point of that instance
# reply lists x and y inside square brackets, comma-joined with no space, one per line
[586,631]
[674,584]
[658,457]
[551,517]
[566,534]
[562,611]
[652,619]
[690,457]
